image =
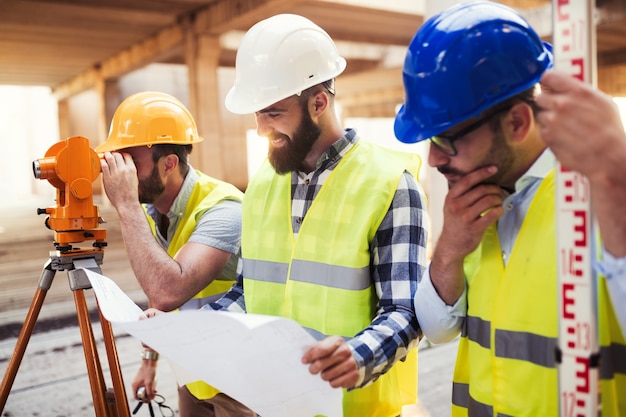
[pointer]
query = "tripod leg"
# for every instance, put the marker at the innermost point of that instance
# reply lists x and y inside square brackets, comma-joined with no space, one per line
[27,330]
[96,377]
[120,399]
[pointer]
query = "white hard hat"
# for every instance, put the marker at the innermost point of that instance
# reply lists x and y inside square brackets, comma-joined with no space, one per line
[279,57]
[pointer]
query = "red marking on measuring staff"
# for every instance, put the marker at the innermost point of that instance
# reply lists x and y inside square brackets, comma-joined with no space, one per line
[581,229]
[560,10]
[583,376]
[568,301]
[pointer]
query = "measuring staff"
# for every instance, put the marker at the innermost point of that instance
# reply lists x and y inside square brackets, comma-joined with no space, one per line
[578,350]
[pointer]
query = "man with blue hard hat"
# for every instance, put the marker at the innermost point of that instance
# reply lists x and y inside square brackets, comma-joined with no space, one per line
[471,77]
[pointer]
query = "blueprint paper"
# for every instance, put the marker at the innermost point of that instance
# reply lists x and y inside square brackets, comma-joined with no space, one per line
[255,359]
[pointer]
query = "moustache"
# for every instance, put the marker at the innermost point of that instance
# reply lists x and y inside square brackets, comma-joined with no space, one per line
[447,170]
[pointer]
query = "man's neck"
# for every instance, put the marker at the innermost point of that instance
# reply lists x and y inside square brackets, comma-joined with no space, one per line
[164,203]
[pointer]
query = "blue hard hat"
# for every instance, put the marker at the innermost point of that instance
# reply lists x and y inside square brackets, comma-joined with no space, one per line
[464,61]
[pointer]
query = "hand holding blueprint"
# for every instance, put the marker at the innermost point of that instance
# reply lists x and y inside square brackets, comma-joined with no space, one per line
[255,359]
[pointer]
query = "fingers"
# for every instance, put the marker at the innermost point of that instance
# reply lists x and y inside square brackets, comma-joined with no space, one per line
[477,203]
[322,349]
[581,125]
[152,312]
[333,360]
[558,82]
[145,393]
[342,374]
[564,96]
[144,383]
[150,390]
[135,387]
[471,180]
[561,93]
[470,207]
[104,165]
[115,159]
[470,199]
[116,164]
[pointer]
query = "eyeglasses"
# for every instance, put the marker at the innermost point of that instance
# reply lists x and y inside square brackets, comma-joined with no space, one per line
[166,410]
[446,142]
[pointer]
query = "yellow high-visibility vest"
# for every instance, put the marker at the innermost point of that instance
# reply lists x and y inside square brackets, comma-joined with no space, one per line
[322,278]
[206,193]
[506,360]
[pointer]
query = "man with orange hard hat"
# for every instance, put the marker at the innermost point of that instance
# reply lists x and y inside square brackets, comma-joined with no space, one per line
[181,228]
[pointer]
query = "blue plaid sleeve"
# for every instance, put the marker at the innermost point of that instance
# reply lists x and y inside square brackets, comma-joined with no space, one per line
[398,262]
[233,300]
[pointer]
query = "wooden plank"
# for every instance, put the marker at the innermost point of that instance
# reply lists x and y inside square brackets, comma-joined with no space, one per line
[132,58]
[85,15]
[367,24]
[612,79]
[225,15]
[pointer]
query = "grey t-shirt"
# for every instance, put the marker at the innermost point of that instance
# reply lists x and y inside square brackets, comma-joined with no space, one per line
[218,227]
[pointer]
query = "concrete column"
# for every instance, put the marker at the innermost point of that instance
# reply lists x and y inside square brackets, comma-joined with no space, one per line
[202,57]
[223,153]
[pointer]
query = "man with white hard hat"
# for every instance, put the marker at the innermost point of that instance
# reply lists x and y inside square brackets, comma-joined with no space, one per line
[334,228]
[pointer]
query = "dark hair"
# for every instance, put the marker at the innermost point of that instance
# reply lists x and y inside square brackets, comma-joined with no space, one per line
[528,96]
[181,151]
[328,85]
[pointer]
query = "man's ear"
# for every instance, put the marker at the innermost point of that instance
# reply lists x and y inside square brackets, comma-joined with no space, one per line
[170,163]
[320,102]
[520,120]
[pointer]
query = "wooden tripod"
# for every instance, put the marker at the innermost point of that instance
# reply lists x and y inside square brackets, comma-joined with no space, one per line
[107,402]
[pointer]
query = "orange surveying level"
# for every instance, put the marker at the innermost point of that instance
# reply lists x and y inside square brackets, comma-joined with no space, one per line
[71,166]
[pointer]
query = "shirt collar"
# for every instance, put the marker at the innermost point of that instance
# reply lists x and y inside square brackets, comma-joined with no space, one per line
[538,170]
[339,148]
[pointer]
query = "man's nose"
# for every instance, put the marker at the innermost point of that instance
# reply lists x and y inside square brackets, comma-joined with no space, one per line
[437,157]
[263,127]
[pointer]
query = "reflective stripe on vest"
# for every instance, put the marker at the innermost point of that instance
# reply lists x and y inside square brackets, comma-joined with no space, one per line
[506,364]
[512,345]
[462,398]
[309,272]
[322,279]
[206,193]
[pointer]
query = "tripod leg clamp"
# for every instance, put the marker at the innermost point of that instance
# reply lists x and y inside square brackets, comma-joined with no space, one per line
[78,277]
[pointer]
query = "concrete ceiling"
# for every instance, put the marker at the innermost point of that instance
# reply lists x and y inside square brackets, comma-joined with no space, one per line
[59,43]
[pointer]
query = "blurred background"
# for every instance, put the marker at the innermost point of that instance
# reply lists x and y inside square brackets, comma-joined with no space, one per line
[65,66]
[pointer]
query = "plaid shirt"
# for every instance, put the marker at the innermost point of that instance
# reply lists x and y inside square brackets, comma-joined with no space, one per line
[398,259]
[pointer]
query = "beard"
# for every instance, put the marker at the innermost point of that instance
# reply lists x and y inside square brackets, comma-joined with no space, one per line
[500,154]
[151,187]
[289,157]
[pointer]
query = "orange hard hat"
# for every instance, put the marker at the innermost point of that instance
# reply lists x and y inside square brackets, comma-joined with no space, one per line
[149,118]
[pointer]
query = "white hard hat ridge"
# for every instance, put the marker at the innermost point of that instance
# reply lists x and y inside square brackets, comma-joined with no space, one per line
[279,57]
